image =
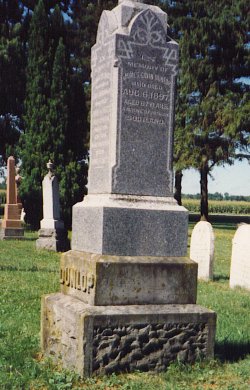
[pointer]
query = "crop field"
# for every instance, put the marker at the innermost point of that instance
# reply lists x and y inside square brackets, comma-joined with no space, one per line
[219,206]
[26,274]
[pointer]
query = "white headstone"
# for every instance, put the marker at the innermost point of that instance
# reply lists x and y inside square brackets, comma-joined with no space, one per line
[51,205]
[240,263]
[202,249]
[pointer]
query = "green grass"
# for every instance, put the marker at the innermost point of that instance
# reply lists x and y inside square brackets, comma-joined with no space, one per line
[26,274]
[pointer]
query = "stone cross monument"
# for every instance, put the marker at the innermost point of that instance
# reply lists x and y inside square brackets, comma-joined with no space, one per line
[126,286]
[52,235]
[11,223]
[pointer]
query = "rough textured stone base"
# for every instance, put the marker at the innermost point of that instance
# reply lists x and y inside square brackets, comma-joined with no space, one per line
[123,280]
[11,233]
[106,339]
[53,240]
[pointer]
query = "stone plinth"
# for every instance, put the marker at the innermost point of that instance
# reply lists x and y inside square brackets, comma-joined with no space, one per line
[240,262]
[123,280]
[52,235]
[103,339]
[11,224]
[130,226]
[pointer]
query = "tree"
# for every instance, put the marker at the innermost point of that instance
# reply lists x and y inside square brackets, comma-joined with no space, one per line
[12,78]
[212,56]
[68,150]
[33,143]
[52,109]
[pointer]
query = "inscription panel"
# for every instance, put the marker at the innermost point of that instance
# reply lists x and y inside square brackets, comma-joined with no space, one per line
[147,71]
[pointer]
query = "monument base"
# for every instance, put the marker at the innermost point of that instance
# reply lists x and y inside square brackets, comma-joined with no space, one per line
[104,280]
[129,225]
[53,240]
[11,233]
[95,340]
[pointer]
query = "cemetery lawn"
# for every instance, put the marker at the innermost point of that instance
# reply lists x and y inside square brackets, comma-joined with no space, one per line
[26,274]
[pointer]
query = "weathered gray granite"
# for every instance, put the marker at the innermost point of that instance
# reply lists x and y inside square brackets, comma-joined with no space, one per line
[134,67]
[130,226]
[128,294]
[119,280]
[105,339]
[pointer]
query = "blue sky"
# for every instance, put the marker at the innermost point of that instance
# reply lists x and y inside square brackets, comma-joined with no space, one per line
[234,179]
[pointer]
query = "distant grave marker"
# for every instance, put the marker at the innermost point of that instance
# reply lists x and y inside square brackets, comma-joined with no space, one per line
[240,262]
[202,249]
[52,235]
[11,223]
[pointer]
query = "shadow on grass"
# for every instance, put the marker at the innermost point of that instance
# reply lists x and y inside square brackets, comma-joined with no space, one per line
[30,269]
[231,352]
[217,278]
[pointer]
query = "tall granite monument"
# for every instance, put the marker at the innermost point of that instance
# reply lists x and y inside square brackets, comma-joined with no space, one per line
[11,224]
[128,293]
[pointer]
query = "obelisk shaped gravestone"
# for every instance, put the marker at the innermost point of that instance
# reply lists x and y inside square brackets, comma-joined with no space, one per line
[52,235]
[11,224]
[126,287]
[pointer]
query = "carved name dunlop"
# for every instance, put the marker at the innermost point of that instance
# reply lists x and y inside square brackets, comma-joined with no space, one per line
[77,279]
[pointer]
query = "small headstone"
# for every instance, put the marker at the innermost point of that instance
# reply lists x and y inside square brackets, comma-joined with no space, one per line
[240,263]
[11,223]
[52,235]
[202,249]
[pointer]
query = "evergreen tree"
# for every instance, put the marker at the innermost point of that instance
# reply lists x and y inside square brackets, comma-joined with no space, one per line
[34,142]
[52,109]
[68,151]
[12,80]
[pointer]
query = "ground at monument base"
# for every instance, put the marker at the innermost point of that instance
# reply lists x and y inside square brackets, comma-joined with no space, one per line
[53,239]
[94,340]
[11,233]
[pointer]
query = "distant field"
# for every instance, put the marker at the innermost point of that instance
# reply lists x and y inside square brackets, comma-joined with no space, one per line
[218,206]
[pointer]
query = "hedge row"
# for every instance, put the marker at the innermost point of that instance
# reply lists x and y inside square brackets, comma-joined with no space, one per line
[218,206]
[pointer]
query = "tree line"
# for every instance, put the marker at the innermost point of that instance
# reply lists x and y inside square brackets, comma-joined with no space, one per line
[45,90]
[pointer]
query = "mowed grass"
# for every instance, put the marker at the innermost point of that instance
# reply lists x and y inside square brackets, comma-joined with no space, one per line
[26,274]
